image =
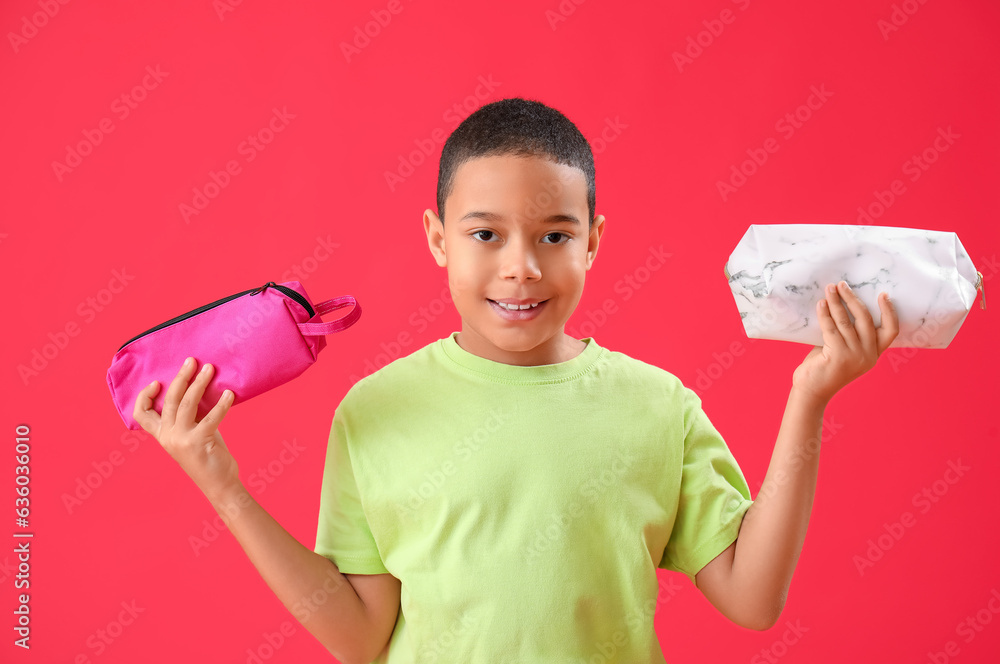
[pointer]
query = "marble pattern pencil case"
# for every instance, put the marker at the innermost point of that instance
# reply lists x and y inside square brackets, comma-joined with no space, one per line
[778,272]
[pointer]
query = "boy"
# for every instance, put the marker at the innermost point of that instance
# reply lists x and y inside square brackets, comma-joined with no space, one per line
[508,492]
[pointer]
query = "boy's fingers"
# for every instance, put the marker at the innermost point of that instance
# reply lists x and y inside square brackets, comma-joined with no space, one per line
[187,412]
[143,413]
[213,418]
[864,324]
[889,327]
[840,316]
[176,390]
[831,335]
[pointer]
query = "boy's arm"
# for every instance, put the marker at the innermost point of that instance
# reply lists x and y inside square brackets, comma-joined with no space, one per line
[748,582]
[351,615]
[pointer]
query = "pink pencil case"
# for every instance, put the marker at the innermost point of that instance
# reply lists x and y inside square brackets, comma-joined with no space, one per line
[256,340]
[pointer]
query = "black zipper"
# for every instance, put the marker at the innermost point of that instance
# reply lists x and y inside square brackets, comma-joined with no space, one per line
[290,292]
[295,295]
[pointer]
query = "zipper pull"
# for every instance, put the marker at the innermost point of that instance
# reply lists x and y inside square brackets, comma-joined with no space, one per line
[980,286]
[262,288]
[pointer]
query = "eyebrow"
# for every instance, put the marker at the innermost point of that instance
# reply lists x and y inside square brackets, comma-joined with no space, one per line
[492,216]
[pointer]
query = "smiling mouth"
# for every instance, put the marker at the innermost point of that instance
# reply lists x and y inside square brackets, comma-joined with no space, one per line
[516,307]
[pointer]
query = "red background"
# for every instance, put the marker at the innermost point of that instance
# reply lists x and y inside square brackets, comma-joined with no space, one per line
[890,435]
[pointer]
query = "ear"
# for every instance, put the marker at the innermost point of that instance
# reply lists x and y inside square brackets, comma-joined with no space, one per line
[435,237]
[595,239]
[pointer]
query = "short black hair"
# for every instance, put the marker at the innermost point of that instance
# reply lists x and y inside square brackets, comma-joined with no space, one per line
[520,127]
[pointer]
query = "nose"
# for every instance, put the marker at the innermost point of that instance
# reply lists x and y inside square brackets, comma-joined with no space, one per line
[518,261]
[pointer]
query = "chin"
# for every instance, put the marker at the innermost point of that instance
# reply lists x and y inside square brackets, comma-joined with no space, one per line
[521,341]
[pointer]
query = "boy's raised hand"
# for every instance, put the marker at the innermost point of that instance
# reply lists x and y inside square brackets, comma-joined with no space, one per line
[849,348]
[196,445]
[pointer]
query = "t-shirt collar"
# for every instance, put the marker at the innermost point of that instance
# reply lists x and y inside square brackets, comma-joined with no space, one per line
[510,373]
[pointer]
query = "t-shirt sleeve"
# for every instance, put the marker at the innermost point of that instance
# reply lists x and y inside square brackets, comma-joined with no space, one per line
[713,497]
[342,532]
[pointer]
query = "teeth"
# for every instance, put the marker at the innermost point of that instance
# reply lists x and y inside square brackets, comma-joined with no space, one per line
[514,307]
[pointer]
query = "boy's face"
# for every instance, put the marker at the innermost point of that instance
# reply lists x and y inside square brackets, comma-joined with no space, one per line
[509,235]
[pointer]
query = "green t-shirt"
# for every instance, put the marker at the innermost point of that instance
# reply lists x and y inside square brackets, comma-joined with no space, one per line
[525,509]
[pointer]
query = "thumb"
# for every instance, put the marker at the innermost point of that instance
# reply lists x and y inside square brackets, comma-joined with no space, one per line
[889,326]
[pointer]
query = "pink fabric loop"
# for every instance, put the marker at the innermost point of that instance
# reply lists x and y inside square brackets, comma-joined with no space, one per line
[319,329]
